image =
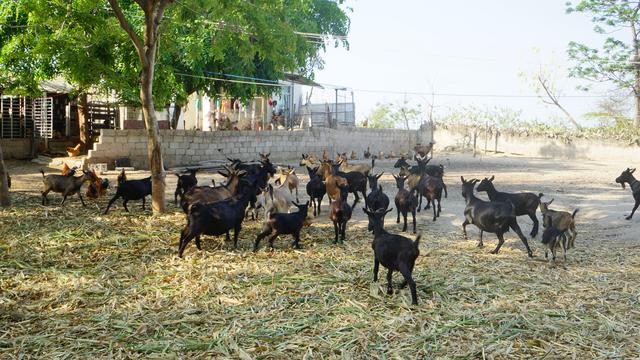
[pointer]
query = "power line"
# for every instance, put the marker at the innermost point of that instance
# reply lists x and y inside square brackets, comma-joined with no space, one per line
[467,95]
[232,81]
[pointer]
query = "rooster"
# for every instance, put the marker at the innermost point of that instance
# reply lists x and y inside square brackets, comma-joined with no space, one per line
[98,187]
[73,151]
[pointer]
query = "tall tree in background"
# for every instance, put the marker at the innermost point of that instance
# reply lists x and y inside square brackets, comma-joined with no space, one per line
[204,39]
[618,61]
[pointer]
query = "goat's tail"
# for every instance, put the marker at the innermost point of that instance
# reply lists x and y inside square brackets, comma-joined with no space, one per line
[42,172]
[540,195]
[573,216]
[416,242]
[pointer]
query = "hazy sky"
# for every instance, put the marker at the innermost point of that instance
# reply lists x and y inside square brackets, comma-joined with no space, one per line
[458,47]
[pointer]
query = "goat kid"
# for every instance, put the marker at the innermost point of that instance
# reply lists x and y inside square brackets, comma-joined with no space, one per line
[131,190]
[285,224]
[406,202]
[341,213]
[316,190]
[562,220]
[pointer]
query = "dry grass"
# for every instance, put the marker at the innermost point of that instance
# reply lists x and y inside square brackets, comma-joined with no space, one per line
[74,284]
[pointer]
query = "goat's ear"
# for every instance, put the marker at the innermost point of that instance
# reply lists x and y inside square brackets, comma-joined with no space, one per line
[223,174]
[380,175]
[463,180]
[492,177]
[632,171]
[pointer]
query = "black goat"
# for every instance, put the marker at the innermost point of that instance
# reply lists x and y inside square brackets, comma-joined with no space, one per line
[285,224]
[406,202]
[376,198]
[490,216]
[65,185]
[185,182]
[207,194]
[131,190]
[316,190]
[431,188]
[524,203]
[394,252]
[357,182]
[627,177]
[341,213]
[215,218]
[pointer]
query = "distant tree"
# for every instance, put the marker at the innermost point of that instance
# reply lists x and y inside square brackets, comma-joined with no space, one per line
[406,113]
[618,61]
[380,117]
[543,81]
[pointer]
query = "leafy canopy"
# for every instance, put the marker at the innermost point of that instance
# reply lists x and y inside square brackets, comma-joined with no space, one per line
[81,41]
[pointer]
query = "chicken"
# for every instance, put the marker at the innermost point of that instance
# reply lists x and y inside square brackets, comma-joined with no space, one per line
[73,151]
[98,187]
[67,171]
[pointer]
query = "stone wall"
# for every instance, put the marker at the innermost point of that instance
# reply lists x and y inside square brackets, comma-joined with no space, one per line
[536,146]
[187,147]
[16,148]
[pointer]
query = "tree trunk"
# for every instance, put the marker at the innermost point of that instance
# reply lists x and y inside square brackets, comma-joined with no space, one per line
[83,122]
[175,117]
[154,150]
[636,120]
[4,185]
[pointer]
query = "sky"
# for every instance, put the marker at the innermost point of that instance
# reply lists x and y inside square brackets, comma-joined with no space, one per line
[460,47]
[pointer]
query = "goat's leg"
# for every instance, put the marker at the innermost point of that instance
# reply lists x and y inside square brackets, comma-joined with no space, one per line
[404,218]
[435,211]
[297,195]
[113,199]
[343,231]
[564,246]
[175,196]
[500,242]
[81,199]
[186,236]
[143,202]
[296,240]
[236,232]
[355,201]
[515,227]
[64,198]
[464,228]
[419,200]
[444,187]
[227,237]
[406,273]
[266,230]
[44,197]
[376,266]
[389,287]
[273,238]
[635,207]
[320,203]
[336,230]
[124,203]
[480,243]
[198,243]
[534,218]
[398,217]
[413,214]
[572,237]
[439,206]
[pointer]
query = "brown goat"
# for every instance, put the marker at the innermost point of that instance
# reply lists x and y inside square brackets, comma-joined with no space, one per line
[332,182]
[288,176]
[562,220]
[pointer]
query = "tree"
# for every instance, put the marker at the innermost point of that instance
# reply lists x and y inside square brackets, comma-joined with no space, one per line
[4,186]
[618,61]
[543,83]
[379,117]
[406,113]
[261,40]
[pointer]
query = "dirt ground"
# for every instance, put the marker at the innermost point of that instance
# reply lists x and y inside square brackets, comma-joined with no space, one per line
[583,184]
[78,284]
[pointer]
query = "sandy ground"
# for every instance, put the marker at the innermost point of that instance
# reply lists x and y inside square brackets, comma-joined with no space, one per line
[583,184]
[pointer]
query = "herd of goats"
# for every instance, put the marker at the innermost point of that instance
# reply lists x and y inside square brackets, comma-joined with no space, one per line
[216,210]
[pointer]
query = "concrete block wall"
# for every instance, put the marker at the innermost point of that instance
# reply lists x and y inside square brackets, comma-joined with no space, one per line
[188,147]
[16,148]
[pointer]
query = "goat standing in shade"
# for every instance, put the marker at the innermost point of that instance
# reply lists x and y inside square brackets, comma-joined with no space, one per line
[627,177]
[490,216]
[185,183]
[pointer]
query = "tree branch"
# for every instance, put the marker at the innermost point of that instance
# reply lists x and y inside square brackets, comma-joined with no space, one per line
[137,43]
